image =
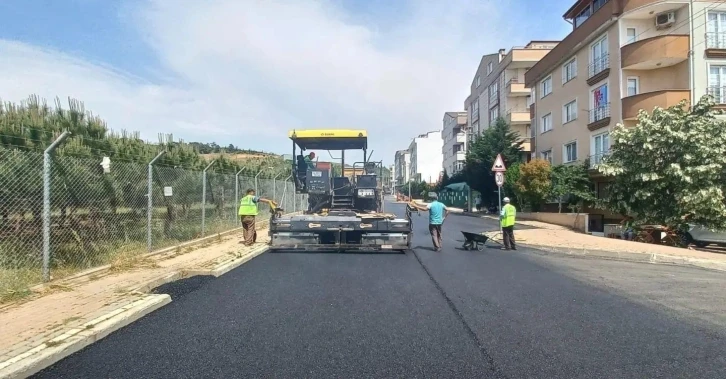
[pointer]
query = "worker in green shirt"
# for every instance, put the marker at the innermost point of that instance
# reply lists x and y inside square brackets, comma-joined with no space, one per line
[247,212]
[507,217]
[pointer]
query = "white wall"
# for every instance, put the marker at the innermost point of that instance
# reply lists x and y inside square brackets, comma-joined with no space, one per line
[428,161]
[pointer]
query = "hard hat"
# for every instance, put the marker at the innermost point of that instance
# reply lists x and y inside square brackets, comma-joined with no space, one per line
[506,199]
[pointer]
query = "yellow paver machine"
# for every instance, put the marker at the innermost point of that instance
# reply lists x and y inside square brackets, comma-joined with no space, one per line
[345,211]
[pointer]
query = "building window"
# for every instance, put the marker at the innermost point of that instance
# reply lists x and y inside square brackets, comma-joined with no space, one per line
[493,115]
[600,105]
[478,81]
[490,67]
[633,87]
[716,30]
[630,35]
[547,122]
[597,4]
[717,83]
[582,16]
[569,154]
[599,57]
[569,71]
[493,93]
[601,146]
[547,155]
[569,111]
[546,87]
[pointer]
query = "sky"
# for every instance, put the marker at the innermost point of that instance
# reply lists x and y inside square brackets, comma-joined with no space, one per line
[246,72]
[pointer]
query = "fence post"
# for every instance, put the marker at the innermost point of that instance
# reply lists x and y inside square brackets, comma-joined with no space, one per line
[284,194]
[150,200]
[46,203]
[236,195]
[204,193]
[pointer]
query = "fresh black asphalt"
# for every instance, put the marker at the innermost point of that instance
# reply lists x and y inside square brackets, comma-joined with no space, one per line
[453,314]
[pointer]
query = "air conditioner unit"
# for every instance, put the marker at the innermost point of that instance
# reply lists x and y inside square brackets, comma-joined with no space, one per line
[665,20]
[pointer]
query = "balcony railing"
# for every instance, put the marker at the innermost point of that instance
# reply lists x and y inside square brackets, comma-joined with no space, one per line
[598,65]
[715,40]
[597,159]
[718,93]
[599,113]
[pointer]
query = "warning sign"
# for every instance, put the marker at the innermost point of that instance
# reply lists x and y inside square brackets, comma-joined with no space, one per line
[499,164]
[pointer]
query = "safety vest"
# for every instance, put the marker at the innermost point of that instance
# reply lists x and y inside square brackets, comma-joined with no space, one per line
[510,212]
[247,206]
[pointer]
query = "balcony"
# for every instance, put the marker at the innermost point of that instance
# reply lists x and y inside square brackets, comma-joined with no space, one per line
[516,88]
[649,100]
[460,155]
[599,69]
[526,145]
[518,116]
[655,52]
[599,117]
[716,45]
[597,158]
[460,137]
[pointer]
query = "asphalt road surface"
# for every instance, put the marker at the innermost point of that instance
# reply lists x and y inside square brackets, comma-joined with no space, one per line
[453,314]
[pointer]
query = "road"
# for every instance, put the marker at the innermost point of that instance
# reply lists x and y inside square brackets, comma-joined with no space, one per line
[453,314]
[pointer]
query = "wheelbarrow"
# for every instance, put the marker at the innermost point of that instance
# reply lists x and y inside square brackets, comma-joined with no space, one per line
[474,241]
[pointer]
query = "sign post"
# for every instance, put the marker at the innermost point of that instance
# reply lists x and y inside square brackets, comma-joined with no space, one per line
[499,169]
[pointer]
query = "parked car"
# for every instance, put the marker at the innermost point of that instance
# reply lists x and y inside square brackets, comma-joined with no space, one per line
[701,236]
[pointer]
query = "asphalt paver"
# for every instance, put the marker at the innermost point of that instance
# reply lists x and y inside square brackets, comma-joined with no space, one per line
[425,314]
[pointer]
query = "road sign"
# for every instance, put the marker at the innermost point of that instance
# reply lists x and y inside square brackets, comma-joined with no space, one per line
[499,178]
[499,164]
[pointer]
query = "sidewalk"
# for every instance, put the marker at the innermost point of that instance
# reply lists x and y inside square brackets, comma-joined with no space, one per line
[559,239]
[75,312]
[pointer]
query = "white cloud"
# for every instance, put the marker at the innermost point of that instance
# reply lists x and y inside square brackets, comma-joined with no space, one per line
[245,72]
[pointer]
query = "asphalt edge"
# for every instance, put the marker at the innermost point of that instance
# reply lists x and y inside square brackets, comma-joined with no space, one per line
[652,258]
[74,340]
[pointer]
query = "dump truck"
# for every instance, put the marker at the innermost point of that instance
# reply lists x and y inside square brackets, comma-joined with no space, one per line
[345,211]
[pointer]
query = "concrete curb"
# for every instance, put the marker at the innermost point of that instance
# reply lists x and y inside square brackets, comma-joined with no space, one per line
[72,341]
[653,258]
[52,351]
[101,270]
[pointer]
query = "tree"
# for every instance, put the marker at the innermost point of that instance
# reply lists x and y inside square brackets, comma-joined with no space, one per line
[445,181]
[511,177]
[534,182]
[571,184]
[670,168]
[497,139]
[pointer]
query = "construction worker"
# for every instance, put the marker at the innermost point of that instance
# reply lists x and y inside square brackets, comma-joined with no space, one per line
[309,160]
[507,217]
[247,212]
[437,215]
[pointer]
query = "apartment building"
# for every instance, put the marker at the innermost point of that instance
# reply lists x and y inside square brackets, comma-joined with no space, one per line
[622,56]
[453,133]
[401,164]
[426,162]
[498,89]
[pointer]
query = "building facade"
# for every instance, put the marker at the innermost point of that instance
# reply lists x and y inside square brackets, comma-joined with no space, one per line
[499,90]
[426,162]
[622,56]
[401,164]
[453,151]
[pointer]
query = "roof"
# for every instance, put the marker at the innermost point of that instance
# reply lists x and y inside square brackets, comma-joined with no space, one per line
[330,139]
[459,187]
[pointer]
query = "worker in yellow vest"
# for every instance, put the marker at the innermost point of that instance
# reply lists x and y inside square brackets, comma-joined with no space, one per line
[507,217]
[247,212]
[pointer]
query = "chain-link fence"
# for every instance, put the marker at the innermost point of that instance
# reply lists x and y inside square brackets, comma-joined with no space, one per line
[60,215]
